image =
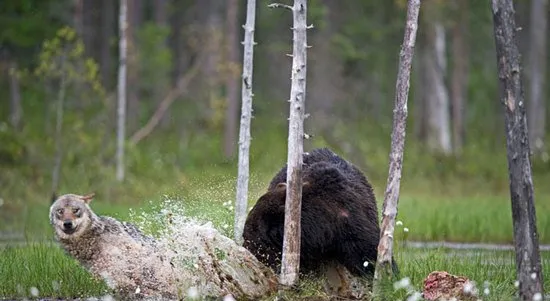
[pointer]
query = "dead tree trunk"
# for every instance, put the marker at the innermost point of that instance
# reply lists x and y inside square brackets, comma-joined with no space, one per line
[290,264]
[231,79]
[528,265]
[121,111]
[537,65]
[16,111]
[246,113]
[391,196]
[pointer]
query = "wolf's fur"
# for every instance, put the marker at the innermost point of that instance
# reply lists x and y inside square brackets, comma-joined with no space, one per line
[135,265]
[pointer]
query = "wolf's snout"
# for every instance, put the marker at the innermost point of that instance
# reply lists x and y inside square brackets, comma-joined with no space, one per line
[68,225]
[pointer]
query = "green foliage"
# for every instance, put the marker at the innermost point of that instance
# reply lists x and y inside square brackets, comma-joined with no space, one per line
[63,56]
[27,23]
[43,270]
[12,148]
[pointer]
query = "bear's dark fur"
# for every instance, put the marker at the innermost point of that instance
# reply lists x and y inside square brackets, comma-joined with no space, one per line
[339,221]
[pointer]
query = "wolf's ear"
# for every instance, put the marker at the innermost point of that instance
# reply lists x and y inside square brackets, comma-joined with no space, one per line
[87,198]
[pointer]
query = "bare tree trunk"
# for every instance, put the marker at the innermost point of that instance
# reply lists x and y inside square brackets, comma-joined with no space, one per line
[107,18]
[16,111]
[56,170]
[537,72]
[121,111]
[290,264]
[78,21]
[383,270]
[133,19]
[459,76]
[529,269]
[241,202]
[231,84]
[439,132]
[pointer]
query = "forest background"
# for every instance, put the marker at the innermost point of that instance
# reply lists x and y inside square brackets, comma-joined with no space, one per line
[188,54]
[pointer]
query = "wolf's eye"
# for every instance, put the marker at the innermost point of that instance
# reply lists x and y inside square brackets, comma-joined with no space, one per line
[60,211]
[76,211]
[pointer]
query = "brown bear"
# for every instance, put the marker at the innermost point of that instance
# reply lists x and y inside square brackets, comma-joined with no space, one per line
[339,221]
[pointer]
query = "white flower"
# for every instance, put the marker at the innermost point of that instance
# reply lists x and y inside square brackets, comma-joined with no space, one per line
[399,223]
[405,229]
[516,283]
[486,291]
[193,292]
[537,297]
[34,291]
[55,285]
[366,264]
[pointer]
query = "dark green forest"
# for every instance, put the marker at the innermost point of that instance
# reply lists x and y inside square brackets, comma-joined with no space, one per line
[58,101]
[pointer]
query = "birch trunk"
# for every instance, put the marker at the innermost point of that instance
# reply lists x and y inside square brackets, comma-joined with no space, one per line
[537,65]
[391,196]
[439,132]
[528,264]
[121,111]
[241,202]
[293,205]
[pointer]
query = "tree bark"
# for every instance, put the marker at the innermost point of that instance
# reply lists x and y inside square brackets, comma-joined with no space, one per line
[528,265]
[383,270]
[290,264]
[459,76]
[107,24]
[241,202]
[537,74]
[121,110]
[16,111]
[437,96]
[231,81]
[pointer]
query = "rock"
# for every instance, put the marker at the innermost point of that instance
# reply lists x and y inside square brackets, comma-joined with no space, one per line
[440,285]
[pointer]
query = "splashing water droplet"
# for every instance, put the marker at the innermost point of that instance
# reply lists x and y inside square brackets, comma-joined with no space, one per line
[228,298]
[403,283]
[405,229]
[533,276]
[399,223]
[192,292]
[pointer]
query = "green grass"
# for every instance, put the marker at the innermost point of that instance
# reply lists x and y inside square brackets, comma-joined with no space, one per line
[56,275]
[46,268]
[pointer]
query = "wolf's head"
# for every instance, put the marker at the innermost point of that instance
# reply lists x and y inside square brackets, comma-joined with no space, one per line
[71,216]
